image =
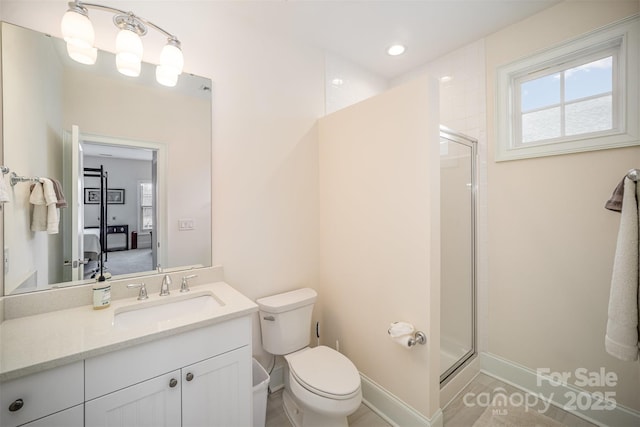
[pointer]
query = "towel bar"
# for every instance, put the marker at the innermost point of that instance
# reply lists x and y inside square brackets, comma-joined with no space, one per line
[633,174]
[16,179]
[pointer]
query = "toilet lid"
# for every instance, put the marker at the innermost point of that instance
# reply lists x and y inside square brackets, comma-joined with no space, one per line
[324,371]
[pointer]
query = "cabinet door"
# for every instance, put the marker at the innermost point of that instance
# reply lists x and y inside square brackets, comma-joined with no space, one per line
[151,403]
[218,391]
[72,417]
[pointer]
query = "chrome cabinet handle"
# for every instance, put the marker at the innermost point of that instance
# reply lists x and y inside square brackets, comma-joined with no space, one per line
[16,405]
[173,382]
[189,376]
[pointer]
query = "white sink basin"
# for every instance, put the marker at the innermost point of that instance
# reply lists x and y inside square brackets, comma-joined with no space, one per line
[166,311]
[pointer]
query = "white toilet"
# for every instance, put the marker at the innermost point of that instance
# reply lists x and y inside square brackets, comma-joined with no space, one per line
[322,386]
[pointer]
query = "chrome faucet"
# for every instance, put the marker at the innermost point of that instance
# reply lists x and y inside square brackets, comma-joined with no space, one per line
[164,289]
[185,285]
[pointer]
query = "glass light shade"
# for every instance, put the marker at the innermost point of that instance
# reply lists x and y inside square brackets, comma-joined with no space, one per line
[83,55]
[166,76]
[128,65]
[171,58]
[77,29]
[128,53]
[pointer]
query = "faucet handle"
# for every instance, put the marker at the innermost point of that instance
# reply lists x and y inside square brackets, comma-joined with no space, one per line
[142,295]
[185,285]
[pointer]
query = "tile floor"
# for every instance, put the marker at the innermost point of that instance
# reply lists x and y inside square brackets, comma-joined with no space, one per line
[456,414]
[363,417]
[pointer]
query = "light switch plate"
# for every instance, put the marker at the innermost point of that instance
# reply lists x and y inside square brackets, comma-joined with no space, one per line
[186,224]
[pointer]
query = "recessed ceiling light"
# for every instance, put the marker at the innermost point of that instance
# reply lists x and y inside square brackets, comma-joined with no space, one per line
[337,81]
[396,49]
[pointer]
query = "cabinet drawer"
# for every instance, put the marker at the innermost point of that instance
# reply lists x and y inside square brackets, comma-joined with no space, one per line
[72,417]
[119,369]
[42,394]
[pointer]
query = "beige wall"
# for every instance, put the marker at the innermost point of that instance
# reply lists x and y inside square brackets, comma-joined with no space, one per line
[379,236]
[551,242]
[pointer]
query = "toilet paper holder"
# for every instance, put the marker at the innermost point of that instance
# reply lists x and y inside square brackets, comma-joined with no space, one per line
[405,334]
[418,338]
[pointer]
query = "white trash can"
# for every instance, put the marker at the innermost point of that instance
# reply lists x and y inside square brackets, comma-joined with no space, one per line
[260,391]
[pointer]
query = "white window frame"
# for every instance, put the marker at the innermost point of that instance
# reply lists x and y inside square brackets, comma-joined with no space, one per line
[140,206]
[620,40]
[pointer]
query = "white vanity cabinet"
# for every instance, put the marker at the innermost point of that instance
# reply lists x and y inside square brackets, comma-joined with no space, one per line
[197,378]
[213,391]
[155,402]
[44,398]
[68,418]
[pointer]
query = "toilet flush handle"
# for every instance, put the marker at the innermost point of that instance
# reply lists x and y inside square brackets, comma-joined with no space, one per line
[269,318]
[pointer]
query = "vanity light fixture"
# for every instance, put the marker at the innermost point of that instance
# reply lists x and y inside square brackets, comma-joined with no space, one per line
[396,49]
[79,35]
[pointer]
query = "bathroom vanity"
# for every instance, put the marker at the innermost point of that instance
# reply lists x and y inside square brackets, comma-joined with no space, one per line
[134,363]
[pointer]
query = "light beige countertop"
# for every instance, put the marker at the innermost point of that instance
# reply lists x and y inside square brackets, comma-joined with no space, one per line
[35,343]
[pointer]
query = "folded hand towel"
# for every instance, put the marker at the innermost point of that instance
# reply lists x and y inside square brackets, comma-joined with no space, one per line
[53,218]
[62,202]
[621,339]
[39,215]
[615,202]
[4,190]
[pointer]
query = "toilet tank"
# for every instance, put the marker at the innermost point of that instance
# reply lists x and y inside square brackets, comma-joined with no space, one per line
[285,320]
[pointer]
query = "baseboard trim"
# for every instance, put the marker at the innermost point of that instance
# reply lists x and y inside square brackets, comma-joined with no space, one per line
[393,410]
[560,395]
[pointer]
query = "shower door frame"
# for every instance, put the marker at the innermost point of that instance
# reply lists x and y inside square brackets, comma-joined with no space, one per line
[457,137]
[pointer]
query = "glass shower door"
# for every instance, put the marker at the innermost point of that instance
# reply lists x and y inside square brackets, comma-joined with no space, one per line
[457,201]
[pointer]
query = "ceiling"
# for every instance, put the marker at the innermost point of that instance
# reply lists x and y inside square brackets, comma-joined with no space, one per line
[362,30]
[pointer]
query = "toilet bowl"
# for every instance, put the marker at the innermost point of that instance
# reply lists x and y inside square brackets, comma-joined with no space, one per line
[322,386]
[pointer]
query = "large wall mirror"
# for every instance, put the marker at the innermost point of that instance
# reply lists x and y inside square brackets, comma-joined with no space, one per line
[133,159]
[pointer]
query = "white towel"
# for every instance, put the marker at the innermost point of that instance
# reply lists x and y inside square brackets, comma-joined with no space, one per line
[53,216]
[4,190]
[39,215]
[621,340]
[45,215]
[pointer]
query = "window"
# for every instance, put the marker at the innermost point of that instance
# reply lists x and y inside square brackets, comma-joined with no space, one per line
[582,95]
[146,206]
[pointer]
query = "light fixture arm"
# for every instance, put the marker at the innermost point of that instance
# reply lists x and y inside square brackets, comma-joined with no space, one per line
[77,4]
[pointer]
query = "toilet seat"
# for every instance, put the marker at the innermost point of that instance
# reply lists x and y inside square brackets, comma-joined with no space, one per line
[325,372]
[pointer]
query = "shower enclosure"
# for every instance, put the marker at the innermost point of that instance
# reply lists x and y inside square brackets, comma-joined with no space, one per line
[458,251]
